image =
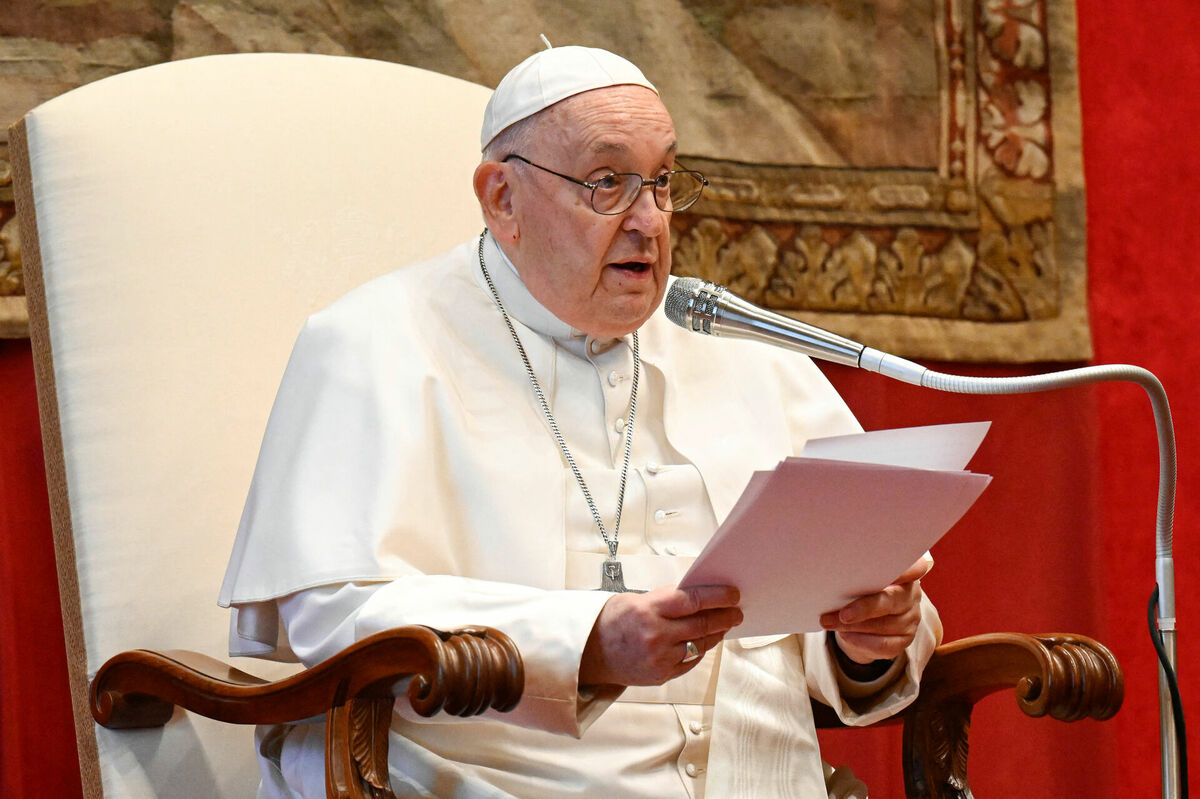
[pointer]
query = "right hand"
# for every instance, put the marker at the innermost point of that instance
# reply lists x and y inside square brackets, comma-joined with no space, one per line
[640,639]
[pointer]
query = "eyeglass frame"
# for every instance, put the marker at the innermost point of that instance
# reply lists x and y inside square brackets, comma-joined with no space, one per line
[634,197]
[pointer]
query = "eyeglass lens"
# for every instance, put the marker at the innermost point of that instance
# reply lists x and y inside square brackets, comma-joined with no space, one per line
[673,191]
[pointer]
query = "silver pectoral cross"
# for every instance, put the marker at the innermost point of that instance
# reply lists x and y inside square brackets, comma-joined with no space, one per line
[612,579]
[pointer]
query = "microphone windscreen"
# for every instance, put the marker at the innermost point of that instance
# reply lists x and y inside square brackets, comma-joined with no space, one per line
[680,298]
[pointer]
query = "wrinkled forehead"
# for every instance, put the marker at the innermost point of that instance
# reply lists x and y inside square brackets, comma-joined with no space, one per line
[608,121]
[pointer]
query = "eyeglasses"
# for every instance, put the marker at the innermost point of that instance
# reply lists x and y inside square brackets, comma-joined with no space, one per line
[616,192]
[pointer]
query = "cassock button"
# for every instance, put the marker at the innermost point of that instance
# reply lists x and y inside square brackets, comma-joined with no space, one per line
[613,378]
[671,549]
[691,769]
[696,727]
[620,425]
[653,467]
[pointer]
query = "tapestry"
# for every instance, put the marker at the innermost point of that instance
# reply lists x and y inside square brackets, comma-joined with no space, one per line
[903,172]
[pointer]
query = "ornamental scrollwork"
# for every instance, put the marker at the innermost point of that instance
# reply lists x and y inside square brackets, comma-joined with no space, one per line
[12,279]
[907,271]
[1014,87]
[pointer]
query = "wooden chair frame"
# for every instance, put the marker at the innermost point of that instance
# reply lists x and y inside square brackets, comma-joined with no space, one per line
[1067,677]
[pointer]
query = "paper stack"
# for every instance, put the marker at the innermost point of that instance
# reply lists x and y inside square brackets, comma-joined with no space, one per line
[842,520]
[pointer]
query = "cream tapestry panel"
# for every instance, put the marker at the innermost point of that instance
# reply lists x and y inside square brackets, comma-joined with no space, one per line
[904,172]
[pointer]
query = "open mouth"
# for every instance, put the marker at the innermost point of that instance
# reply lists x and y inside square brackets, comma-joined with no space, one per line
[637,267]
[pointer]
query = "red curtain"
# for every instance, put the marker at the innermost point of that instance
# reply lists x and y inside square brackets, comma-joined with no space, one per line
[37,735]
[1063,540]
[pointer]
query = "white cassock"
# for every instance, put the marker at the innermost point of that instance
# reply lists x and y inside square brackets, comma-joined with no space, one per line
[407,476]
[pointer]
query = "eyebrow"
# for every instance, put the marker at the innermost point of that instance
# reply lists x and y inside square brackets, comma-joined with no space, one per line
[606,147]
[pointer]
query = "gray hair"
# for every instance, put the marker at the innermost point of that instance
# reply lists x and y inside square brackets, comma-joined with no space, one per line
[513,139]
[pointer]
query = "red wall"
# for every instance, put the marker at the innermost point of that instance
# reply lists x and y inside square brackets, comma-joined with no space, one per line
[1062,540]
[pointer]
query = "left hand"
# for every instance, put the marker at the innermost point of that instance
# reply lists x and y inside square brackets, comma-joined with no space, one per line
[880,626]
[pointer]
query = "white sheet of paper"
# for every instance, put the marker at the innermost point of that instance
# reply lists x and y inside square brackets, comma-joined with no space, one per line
[942,446]
[816,533]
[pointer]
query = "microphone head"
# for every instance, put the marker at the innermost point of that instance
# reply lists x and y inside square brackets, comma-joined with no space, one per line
[681,303]
[704,307]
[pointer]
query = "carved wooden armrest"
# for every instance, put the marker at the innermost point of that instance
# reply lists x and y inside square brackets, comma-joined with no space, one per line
[464,673]
[1068,677]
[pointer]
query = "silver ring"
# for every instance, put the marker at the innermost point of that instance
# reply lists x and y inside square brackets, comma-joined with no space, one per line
[693,652]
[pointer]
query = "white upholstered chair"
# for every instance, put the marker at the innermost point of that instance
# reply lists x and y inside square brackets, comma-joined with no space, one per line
[188,217]
[180,222]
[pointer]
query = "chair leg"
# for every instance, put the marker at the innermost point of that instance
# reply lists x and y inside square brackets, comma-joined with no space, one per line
[935,752]
[356,747]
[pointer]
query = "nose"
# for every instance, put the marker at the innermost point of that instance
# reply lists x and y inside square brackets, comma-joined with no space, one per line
[644,216]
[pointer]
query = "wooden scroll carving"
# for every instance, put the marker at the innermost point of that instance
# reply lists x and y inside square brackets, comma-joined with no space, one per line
[463,673]
[1066,677]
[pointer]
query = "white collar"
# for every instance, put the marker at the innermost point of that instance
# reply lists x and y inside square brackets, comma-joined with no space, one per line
[524,307]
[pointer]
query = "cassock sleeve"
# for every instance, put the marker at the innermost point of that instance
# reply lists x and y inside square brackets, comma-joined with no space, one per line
[550,629]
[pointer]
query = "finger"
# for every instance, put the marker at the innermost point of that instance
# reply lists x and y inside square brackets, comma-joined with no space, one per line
[916,571]
[899,624]
[703,645]
[866,648]
[708,642]
[890,601]
[707,623]
[676,603]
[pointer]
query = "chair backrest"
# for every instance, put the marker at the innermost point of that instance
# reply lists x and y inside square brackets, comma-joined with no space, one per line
[180,222]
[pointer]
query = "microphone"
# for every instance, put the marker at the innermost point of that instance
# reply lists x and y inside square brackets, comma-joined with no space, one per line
[711,310]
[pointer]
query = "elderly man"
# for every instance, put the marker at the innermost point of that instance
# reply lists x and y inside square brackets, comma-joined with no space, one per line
[491,436]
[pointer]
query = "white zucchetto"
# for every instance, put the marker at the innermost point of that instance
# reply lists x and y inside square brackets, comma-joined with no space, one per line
[549,76]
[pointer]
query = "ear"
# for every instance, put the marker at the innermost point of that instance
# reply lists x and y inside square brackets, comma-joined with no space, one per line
[495,195]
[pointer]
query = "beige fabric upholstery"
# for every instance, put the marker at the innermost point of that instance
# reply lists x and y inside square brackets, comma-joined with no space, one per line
[189,216]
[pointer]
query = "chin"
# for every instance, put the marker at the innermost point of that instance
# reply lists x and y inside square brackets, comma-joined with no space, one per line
[625,315]
[629,323]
